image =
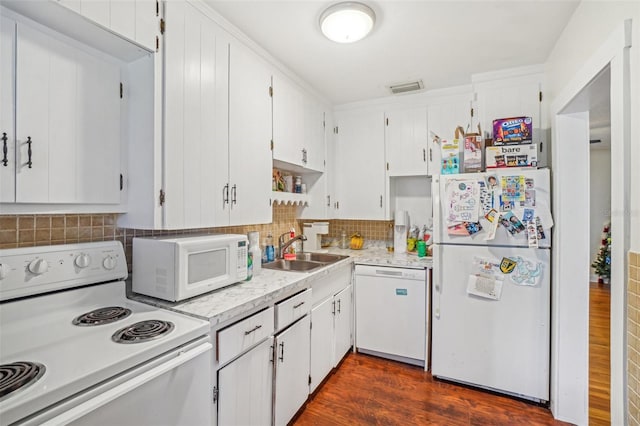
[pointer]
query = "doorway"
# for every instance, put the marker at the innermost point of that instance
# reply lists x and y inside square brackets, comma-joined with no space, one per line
[599,96]
[571,255]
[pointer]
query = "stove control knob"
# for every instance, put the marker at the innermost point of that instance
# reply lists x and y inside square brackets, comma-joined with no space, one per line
[4,271]
[38,266]
[83,260]
[109,262]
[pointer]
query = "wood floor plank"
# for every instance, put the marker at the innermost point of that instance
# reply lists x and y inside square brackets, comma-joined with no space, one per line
[367,390]
[599,354]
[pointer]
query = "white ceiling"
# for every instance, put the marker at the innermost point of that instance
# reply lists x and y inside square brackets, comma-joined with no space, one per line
[440,42]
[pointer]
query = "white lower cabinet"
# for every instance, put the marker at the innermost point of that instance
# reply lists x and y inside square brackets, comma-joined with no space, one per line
[245,388]
[291,387]
[331,324]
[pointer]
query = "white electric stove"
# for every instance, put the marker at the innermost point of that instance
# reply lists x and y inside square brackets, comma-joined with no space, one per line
[74,349]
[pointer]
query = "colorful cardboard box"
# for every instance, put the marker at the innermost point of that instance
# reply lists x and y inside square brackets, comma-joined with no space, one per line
[513,130]
[511,156]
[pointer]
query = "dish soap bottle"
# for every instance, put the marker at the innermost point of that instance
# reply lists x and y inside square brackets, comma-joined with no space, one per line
[256,252]
[271,253]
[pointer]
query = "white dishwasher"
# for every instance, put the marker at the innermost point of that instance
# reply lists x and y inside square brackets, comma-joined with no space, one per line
[391,313]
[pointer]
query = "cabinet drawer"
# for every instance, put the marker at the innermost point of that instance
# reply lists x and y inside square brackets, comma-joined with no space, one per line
[293,308]
[244,334]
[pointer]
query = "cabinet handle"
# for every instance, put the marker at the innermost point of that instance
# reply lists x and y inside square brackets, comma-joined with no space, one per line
[304,155]
[29,152]
[233,194]
[271,354]
[424,155]
[5,162]
[339,305]
[281,357]
[333,311]
[246,333]
[225,194]
[381,201]
[298,305]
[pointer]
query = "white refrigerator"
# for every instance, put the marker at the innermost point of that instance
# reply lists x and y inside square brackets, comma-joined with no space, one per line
[491,296]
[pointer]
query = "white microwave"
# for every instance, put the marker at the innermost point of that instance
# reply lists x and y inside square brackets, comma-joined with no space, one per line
[179,267]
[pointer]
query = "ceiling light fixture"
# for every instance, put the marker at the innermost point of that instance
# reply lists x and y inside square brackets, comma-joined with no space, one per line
[347,22]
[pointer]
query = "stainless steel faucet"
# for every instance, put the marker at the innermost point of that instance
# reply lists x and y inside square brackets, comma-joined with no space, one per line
[283,246]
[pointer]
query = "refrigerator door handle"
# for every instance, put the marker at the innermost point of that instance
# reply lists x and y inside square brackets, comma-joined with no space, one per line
[436,280]
[437,211]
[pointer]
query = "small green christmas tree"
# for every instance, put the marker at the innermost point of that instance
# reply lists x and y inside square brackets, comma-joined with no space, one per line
[602,264]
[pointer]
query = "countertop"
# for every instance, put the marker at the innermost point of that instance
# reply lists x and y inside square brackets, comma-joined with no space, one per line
[269,286]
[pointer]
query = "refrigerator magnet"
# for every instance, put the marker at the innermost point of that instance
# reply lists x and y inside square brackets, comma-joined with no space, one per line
[526,272]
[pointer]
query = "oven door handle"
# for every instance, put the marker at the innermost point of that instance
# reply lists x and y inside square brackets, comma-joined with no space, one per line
[128,386]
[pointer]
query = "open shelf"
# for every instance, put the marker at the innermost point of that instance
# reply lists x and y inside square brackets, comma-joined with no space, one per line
[290,198]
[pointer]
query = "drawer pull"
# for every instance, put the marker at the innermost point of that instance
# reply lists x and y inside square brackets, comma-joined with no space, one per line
[298,305]
[281,357]
[246,333]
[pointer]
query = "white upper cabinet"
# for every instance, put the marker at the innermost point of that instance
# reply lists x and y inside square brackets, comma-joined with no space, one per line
[504,96]
[298,126]
[67,117]
[250,161]
[136,20]
[360,165]
[444,114]
[195,120]
[407,142]
[7,102]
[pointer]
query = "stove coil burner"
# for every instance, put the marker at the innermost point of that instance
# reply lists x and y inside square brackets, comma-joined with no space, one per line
[142,331]
[102,316]
[18,375]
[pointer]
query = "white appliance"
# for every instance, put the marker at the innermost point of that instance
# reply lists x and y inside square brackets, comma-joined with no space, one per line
[314,232]
[492,333]
[88,355]
[400,229]
[179,267]
[391,313]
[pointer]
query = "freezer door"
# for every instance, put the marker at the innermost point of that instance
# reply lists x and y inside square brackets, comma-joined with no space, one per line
[542,188]
[499,344]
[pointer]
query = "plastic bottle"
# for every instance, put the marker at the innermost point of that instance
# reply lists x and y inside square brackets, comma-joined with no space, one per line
[344,241]
[271,253]
[256,253]
[291,251]
[390,238]
[422,248]
[249,266]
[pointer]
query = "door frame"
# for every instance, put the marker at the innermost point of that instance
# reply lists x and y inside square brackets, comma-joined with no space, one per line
[571,257]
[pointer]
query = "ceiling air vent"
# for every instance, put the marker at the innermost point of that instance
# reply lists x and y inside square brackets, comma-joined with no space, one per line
[406,87]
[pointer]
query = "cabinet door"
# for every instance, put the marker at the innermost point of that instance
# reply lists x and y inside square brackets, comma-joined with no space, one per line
[147,22]
[321,342]
[249,138]
[96,10]
[245,388]
[406,142]
[314,128]
[292,370]
[288,121]
[343,324]
[443,117]
[7,103]
[510,97]
[123,17]
[360,165]
[195,139]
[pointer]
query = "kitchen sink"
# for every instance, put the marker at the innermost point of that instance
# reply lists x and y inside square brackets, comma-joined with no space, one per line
[304,262]
[293,265]
[320,257]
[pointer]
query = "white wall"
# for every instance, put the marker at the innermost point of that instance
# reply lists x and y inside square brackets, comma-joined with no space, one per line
[413,194]
[589,27]
[600,198]
[593,34]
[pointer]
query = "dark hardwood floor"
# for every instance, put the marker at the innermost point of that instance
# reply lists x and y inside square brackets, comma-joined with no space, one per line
[366,390]
[599,353]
